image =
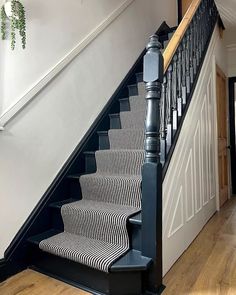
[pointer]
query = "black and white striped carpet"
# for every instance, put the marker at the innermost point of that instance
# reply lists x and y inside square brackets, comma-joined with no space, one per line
[95,228]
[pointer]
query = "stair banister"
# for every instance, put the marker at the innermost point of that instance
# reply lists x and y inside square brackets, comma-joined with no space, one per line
[179,33]
[170,82]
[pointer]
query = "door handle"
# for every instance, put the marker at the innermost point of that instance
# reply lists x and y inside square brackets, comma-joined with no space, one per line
[229,147]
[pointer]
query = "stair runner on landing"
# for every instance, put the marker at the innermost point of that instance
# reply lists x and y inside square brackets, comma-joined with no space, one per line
[95,228]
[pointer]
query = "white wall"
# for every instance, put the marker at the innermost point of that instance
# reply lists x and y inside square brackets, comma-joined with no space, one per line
[38,141]
[190,189]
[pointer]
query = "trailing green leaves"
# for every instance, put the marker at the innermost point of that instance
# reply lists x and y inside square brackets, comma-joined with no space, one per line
[17,21]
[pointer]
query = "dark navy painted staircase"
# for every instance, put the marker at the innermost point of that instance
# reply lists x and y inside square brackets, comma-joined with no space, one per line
[127,273]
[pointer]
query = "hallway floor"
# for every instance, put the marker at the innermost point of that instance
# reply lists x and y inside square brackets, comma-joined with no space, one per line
[208,267]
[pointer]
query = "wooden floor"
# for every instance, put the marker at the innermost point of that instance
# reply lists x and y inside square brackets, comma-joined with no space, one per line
[208,267]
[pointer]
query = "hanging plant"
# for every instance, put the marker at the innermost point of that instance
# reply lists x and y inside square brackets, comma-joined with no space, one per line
[13,12]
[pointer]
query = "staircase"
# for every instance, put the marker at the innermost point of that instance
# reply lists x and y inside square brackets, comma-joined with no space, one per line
[89,231]
[99,234]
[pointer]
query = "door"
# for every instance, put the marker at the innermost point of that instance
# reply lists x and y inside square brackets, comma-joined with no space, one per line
[232,118]
[222,135]
[185,6]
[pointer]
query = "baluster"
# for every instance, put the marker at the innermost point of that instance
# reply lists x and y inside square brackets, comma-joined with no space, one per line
[194,46]
[152,186]
[168,108]
[183,79]
[163,127]
[191,52]
[179,77]
[187,55]
[205,27]
[197,38]
[174,102]
[201,31]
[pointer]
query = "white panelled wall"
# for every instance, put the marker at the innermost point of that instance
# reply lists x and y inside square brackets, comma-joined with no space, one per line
[190,188]
[38,141]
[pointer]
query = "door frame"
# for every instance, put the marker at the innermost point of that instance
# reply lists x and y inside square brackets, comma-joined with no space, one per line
[219,69]
[232,110]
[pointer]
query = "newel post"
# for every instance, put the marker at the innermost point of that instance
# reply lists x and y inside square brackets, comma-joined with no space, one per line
[152,168]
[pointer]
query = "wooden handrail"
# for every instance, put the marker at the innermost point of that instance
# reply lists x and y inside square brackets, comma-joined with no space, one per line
[179,33]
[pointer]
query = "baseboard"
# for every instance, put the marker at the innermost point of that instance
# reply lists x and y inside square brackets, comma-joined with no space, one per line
[8,269]
[3,270]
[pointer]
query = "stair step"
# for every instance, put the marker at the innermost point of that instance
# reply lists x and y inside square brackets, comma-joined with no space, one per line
[90,162]
[124,104]
[58,205]
[120,162]
[74,176]
[133,89]
[139,77]
[103,140]
[115,121]
[88,279]
[133,260]
[136,219]
[133,119]
[36,239]
[126,139]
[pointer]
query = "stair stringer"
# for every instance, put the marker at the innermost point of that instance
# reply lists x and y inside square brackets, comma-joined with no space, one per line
[190,186]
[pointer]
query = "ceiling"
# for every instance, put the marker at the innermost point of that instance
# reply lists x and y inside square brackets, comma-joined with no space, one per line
[227,10]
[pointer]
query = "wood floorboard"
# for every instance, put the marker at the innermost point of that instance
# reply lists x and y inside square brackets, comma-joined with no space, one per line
[208,267]
[30,282]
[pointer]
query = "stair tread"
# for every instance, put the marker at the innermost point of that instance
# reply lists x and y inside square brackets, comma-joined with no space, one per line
[75,247]
[136,219]
[36,239]
[59,204]
[133,259]
[74,176]
[99,206]
[109,176]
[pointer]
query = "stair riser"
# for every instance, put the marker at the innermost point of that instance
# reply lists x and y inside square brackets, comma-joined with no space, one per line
[115,122]
[90,163]
[87,278]
[104,143]
[120,163]
[129,121]
[99,189]
[56,217]
[136,238]
[75,189]
[124,105]
[139,77]
[133,90]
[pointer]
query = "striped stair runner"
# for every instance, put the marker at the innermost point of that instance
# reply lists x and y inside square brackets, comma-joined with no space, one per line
[95,228]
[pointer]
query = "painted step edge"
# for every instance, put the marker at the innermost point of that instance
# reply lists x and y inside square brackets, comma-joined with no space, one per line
[136,219]
[74,176]
[132,260]
[36,239]
[58,205]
